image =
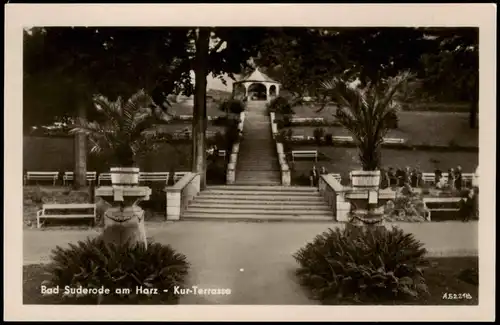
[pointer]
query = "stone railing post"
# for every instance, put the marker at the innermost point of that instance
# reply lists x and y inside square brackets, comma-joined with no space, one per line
[181,194]
[334,194]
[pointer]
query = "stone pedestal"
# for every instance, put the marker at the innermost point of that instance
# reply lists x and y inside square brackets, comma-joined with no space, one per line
[124,220]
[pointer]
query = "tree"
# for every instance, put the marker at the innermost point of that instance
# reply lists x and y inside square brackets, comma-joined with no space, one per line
[65,67]
[366,111]
[218,51]
[452,70]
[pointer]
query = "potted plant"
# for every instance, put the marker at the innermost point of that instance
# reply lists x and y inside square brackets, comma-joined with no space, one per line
[125,133]
[367,112]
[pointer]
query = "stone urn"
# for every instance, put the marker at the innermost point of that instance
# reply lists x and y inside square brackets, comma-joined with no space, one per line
[124,220]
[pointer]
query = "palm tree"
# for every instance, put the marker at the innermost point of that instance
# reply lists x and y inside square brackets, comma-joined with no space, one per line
[367,112]
[127,131]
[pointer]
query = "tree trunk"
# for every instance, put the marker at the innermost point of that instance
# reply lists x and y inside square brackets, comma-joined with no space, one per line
[200,105]
[473,111]
[80,151]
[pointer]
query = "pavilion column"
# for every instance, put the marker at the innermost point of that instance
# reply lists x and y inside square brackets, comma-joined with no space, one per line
[246,89]
[277,90]
[268,93]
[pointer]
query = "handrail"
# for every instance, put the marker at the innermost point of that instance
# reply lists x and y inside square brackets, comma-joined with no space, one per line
[285,169]
[233,157]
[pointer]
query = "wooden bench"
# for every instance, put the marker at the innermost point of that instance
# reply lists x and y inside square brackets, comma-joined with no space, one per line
[68,176]
[154,177]
[467,178]
[342,138]
[394,140]
[41,176]
[305,154]
[430,178]
[179,175]
[103,177]
[454,201]
[45,212]
[222,153]
[337,177]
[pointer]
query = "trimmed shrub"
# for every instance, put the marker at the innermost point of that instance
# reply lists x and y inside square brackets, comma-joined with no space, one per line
[94,264]
[233,106]
[281,105]
[363,265]
[407,207]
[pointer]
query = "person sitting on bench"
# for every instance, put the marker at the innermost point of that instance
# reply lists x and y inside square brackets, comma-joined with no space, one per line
[313,176]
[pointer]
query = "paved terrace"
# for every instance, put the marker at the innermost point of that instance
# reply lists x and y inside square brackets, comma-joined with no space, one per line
[254,260]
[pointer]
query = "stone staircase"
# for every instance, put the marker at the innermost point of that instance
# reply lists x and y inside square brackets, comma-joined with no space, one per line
[257,193]
[257,158]
[271,203]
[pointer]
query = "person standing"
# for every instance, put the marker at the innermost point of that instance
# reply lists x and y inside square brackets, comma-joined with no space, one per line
[458,178]
[400,176]
[451,179]
[437,176]
[313,176]
[468,208]
[392,177]
[384,179]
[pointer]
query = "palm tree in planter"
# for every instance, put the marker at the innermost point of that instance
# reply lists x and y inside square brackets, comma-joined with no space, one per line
[124,134]
[367,112]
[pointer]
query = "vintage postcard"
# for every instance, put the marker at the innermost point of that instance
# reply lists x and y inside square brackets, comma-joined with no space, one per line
[250,162]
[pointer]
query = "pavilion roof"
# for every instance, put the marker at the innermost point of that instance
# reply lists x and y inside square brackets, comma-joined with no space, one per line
[256,76]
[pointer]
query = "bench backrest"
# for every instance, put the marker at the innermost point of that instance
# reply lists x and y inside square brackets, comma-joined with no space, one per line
[144,176]
[222,153]
[179,175]
[394,140]
[305,153]
[89,174]
[337,177]
[342,138]
[105,176]
[42,174]
[71,206]
[441,199]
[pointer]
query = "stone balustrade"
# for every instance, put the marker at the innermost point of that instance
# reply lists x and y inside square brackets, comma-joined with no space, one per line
[334,194]
[181,194]
[233,157]
[286,177]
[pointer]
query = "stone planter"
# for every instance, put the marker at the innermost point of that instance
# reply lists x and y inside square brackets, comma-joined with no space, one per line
[124,220]
[365,179]
[124,176]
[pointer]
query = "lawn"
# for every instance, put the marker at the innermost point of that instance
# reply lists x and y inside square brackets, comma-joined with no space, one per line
[344,160]
[444,276]
[417,128]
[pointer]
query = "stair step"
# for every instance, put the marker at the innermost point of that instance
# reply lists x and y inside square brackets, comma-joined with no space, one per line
[256,218]
[250,201]
[286,189]
[257,207]
[229,211]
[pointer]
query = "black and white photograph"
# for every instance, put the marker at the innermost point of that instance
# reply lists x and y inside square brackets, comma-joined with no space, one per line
[310,163]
